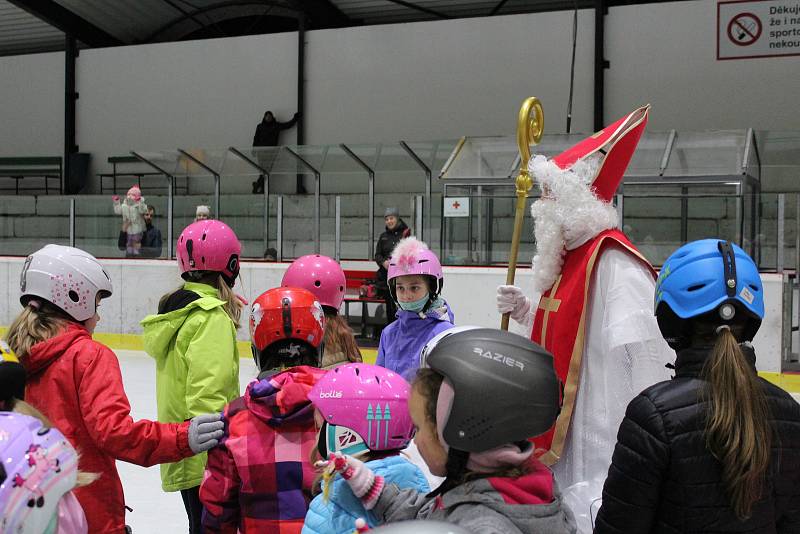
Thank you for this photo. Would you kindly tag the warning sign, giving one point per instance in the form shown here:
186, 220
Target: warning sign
758, 28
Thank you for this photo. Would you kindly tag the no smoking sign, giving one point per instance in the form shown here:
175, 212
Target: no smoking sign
744, 29
758, 28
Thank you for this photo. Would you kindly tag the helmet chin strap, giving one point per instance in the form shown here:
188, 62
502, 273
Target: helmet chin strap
456, 467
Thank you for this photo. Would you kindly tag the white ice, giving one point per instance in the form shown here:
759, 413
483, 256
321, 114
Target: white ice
153, 509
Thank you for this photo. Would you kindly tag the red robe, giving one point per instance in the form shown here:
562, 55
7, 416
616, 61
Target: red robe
559, 327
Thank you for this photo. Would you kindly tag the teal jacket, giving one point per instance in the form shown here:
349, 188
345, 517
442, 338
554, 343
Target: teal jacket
338, 514
197, 369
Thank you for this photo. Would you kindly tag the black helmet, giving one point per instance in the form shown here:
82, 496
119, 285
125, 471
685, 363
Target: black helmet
505, 388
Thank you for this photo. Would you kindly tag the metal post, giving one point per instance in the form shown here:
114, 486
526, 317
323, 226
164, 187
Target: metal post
337, 238
740, 219
667, 152
279, 224
479, 243
70, 97
316, 173
600, 63
421, 233
170, 214
265, 173
797, 237
786, 318
684, 215
620, 208
371, 195
213, 173
779, 239
418, 211
72, 222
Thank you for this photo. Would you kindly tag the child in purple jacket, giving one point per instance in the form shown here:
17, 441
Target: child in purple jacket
415, 283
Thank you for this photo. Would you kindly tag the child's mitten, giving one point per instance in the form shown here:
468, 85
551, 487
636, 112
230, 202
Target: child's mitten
365, 484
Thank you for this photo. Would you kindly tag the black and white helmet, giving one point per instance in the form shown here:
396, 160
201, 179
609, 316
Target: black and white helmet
505, 388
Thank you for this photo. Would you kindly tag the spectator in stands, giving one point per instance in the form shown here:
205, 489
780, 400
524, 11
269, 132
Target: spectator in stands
271, 254
202, 213
396, 230
151, 238
268, 132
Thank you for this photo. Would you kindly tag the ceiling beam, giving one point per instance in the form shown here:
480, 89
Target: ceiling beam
324, 14
415, 7
68, 22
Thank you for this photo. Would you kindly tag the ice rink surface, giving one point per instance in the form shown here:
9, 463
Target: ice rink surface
153, 509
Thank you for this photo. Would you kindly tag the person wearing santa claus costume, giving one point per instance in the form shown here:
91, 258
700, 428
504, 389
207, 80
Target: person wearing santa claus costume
591, 306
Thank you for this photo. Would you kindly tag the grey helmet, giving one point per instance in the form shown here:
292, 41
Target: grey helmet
505, 388
419, 527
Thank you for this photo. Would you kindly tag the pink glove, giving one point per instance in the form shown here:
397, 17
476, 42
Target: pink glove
365, 484
511, 299
115, 198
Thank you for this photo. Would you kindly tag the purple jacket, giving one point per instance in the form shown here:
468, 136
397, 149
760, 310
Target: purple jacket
403, 340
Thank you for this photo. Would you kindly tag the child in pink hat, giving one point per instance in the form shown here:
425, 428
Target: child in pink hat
132, 211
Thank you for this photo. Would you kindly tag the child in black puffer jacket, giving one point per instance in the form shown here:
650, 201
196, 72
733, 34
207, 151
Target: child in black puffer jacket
716, 449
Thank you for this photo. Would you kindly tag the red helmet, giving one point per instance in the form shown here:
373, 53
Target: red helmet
286, 324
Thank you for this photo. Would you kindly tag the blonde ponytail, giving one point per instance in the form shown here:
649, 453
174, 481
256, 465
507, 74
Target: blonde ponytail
233, 305
738, 431
38, 322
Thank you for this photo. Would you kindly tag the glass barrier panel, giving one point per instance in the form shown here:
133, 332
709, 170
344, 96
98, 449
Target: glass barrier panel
126, 231
653, 224
27, 223
706, 153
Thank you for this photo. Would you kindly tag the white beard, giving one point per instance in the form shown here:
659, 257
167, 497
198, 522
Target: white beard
569, 217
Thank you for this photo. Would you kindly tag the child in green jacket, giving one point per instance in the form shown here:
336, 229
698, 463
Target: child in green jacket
193, 340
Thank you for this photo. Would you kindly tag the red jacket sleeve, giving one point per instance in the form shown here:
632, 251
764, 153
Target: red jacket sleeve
107, 415
219, 493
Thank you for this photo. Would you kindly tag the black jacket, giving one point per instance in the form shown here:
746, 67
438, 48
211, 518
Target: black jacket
386, 243
663, 479
151, 242
267, 132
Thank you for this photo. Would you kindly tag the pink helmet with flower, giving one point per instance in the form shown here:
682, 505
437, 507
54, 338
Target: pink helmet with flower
365, 407
321, 275
209, 246
412, 256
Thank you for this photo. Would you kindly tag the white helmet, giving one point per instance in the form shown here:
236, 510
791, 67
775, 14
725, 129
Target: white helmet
435, 340
67, 277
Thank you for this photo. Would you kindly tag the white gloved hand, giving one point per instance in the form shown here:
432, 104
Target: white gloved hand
511, 299
205, 431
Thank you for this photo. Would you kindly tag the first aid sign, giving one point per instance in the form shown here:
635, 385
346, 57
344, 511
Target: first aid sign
758, 28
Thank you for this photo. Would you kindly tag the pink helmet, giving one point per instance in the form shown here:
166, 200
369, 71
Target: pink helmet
135, 193
319, 274
412, 256
209, 245
365, 407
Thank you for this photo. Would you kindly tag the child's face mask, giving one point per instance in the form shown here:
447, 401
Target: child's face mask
415, 305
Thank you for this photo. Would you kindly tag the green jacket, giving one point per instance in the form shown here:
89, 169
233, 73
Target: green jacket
197, 370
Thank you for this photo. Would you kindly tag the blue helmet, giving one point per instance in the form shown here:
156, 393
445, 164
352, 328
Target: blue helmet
712, 278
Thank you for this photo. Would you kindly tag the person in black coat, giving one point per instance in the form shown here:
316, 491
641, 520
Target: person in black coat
267, 133
716, 449
396, 230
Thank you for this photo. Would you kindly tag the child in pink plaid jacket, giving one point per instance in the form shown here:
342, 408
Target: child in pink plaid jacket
259, 478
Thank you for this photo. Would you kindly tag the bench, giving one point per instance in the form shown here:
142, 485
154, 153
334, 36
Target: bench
130, 173
354, 279
19, 168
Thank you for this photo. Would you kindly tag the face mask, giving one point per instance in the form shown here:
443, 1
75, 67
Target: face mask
414, 305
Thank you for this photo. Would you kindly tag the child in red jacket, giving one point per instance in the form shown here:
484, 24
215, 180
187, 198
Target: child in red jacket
259, 478
76, 382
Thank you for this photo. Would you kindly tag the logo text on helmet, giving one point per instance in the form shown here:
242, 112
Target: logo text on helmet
330, 394
497, 357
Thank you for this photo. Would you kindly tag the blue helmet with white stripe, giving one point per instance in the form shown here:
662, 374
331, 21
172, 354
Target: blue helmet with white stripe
712, 280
